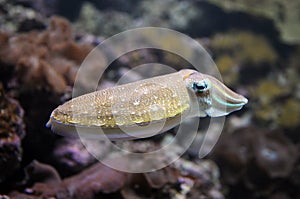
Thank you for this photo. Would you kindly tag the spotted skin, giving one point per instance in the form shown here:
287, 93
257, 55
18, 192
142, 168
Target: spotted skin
163, 99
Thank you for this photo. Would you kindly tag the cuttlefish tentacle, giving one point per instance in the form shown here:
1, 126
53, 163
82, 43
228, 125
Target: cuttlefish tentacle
140, 106
217, 99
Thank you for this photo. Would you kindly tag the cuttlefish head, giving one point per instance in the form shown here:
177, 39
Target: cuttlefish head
212, 96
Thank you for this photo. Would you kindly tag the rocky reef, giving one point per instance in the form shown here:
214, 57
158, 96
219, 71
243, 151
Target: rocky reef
43, 59
256, 49
282, 13
260, 162
100, 181
12, 131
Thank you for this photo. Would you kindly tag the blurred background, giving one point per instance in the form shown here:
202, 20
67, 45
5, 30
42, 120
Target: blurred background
255, 45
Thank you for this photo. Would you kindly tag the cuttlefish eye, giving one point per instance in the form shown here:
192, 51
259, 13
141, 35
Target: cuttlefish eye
200, 86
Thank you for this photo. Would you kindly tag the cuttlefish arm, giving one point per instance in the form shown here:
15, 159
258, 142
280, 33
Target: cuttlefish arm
144, 108
212, 96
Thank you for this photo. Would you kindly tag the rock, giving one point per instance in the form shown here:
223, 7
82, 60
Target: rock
11, 133
257, 161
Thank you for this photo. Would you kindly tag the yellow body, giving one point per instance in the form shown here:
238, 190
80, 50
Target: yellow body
135, 103
157, 103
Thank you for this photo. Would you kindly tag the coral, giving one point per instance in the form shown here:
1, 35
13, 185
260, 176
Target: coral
283, 13
38, 68
15, 17
172, 13
227, 67
275, 104
244, 47
268, 90
11, 134
70, 156
290, 114
272, 154
39, 172
266, 114
258, 162
242, 57
183, 179
87, 184
98, 178
44, 59
39, 60
93, 21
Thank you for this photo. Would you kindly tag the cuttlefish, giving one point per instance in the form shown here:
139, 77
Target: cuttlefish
142, 106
